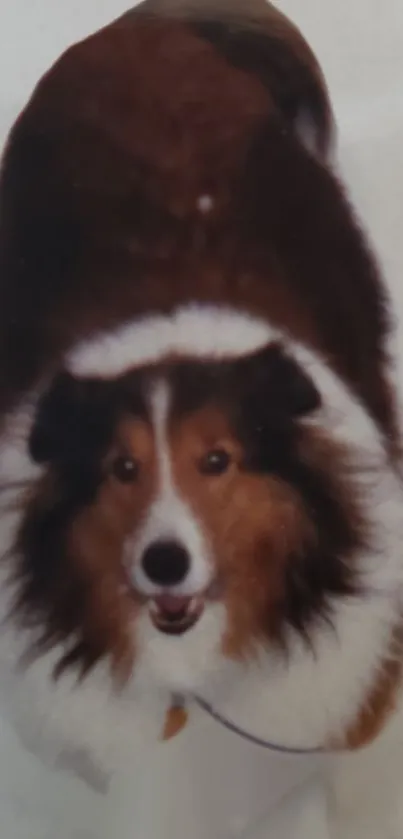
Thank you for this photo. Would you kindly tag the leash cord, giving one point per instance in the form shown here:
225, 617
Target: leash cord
251, 738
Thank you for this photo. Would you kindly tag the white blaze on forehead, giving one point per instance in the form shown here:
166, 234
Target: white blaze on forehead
169, 517
199, 331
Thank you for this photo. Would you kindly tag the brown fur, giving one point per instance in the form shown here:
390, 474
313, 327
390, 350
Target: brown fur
276, 560
253, 525
381, 702
96, 543
256, 525
87, 599
256, 35
99, 224
98, 216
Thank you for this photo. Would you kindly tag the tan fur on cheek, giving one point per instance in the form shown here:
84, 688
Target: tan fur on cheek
253, 524
97, 552
254, 538
96, 544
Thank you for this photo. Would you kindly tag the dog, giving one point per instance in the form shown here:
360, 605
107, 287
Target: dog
200, 447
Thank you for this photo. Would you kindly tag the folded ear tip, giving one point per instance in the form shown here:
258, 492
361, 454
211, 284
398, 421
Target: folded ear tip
280, 378
305, 397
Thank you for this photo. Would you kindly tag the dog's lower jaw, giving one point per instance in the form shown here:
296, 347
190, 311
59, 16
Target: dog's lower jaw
183, 664
364, 788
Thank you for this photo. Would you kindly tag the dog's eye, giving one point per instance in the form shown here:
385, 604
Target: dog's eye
215, 462
126, 469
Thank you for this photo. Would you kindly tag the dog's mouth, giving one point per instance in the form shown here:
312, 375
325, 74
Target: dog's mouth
175, 615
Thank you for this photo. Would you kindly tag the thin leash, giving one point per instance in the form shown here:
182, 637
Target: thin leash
251, 738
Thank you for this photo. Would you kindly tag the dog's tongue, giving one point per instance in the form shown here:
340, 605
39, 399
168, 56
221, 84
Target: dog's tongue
170, 604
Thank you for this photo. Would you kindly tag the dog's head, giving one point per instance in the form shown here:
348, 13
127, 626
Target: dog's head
187, 501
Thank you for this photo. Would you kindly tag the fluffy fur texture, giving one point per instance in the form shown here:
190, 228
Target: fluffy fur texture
273, 501
207, 332
199, 463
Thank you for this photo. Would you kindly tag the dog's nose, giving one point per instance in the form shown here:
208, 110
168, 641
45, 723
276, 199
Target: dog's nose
166, 563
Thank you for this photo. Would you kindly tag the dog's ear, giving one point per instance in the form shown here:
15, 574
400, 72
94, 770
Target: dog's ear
72, 420
56, 421
275, 385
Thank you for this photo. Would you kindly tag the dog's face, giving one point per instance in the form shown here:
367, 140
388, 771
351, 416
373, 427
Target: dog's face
184, 502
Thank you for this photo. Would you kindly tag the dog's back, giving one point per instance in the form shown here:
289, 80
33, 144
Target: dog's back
255, 36
108, 161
